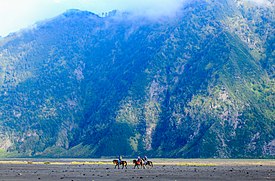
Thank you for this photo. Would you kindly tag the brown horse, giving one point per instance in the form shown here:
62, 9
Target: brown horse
138, 163
123, 163
148, 163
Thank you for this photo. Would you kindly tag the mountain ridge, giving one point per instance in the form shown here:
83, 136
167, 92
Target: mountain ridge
198, 85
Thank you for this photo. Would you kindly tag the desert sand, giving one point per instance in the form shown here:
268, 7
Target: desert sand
165, 169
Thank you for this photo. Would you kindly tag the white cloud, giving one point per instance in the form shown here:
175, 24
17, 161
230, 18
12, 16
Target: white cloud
147, 7
261, 2
17, 14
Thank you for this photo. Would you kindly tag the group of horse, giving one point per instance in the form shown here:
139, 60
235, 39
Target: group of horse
137, 164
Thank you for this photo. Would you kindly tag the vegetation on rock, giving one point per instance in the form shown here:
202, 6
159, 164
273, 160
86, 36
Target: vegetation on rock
200, 84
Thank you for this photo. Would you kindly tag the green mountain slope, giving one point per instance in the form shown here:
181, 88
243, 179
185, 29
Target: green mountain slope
200, 84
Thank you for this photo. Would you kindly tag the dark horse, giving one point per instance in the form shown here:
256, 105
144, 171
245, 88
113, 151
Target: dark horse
148, 163
123, 163
138, 163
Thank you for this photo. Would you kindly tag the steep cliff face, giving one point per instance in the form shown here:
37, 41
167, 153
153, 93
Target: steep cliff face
200, 84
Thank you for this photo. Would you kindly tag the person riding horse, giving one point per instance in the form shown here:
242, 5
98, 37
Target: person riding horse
120, 162
138, 162
147, 162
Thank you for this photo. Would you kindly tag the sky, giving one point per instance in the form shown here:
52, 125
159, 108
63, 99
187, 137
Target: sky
18, 14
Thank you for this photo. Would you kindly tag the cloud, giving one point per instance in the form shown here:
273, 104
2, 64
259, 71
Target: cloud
148, 7
261, 2
17, 14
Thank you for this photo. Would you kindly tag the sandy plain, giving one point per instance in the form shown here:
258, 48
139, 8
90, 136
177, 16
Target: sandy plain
164, 169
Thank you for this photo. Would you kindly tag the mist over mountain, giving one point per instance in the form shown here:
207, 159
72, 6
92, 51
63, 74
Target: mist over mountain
199, 83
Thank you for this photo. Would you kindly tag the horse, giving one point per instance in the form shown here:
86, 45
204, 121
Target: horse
148, 163
138, 163
123, 163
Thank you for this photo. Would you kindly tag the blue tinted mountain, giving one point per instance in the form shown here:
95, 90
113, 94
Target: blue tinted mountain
198, 84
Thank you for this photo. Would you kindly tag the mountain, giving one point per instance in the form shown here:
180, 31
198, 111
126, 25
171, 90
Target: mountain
198, 84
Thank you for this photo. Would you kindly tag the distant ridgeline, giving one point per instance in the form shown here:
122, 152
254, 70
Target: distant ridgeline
199, 84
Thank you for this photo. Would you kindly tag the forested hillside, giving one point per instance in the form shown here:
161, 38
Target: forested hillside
197, 84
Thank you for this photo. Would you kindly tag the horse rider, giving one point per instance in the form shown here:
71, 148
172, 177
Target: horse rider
145, 160
139, 159
119, 159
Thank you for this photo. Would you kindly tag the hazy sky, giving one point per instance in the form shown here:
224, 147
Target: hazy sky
17, 14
